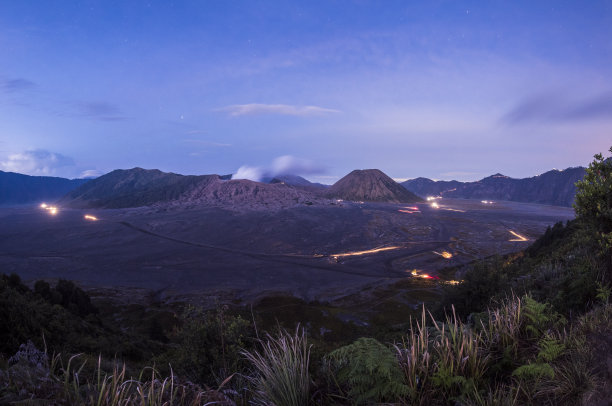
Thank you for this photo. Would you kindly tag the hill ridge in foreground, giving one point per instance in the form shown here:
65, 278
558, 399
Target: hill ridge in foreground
371, 185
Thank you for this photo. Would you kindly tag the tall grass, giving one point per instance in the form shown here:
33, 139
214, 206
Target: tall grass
67, 384
462, 362
502, 331
447, 359
281, 374
415, 360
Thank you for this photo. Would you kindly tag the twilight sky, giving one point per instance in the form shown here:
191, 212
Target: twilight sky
442, 89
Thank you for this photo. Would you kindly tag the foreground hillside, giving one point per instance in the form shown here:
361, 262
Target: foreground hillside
553, 187
16, 188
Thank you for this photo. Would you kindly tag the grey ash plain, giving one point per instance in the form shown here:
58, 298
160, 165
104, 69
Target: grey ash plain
239, 256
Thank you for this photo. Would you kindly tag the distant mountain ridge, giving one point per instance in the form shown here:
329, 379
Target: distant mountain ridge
16, 188
132, 188
298, 181
370, 185
553, 187
139, 187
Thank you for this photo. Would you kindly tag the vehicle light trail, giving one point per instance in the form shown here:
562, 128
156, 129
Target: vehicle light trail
486, 202
518, 236
435, 205
409, 211
90, 217
365, 252
444, 254
449, 209
416, 273
51, 209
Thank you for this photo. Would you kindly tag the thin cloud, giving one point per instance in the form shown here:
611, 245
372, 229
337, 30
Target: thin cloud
282, 165
36, 162
16, 85
91, 173
207, 143
290, 165
99, 110
598, 107
277, 109
553, 107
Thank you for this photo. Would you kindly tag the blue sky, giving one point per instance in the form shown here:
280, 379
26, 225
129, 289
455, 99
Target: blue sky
442, 89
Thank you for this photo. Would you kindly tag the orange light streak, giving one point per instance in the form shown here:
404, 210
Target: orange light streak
365, 252
90, 217
519, 237
418, 274
444, 254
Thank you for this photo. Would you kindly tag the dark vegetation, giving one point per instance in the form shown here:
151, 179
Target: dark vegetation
534, 327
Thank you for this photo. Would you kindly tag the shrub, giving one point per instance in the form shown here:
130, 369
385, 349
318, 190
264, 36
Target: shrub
594, 203
209, 344
369, 371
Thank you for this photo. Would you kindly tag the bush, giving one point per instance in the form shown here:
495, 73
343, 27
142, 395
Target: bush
369, 371
210, 344
594, 204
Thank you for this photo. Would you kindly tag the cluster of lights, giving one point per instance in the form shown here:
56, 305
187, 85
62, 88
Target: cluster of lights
51, 209
435, 205
486, 202
430, 198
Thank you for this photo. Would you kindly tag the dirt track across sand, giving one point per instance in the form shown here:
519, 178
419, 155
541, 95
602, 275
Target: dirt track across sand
306, 251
